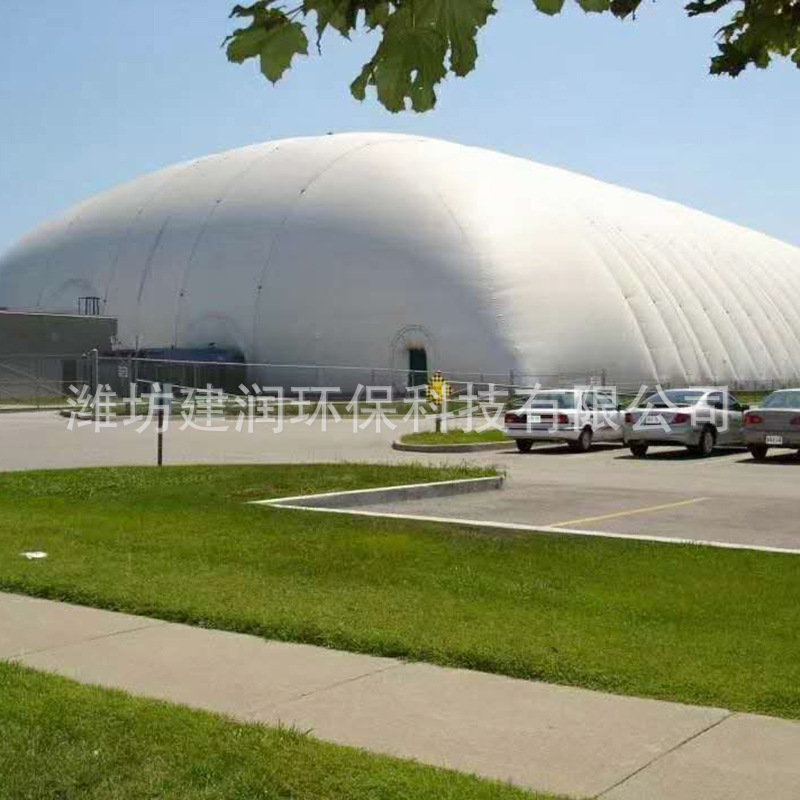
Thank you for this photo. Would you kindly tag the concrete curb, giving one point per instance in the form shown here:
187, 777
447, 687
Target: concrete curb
478, 447
68, 412
29, 409
388, 494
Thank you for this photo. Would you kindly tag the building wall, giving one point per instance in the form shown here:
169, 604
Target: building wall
41, 354
24, 333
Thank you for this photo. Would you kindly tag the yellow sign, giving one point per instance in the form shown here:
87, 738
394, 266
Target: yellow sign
438, 389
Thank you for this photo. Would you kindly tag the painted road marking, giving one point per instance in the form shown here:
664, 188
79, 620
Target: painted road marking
520, 526
631, 512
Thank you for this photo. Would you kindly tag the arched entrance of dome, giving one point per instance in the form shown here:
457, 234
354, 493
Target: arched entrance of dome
412, 354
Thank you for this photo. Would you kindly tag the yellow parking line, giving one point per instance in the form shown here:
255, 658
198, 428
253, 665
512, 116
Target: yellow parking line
629, 513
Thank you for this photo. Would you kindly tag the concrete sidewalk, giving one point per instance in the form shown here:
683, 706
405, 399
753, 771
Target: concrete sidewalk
550, 738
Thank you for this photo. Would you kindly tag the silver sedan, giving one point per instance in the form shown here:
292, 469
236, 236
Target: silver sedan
699, 418
774, 423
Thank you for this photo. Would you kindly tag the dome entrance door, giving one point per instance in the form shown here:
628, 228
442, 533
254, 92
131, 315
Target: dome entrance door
417, 366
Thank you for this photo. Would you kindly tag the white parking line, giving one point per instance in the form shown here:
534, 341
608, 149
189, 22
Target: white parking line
515, 526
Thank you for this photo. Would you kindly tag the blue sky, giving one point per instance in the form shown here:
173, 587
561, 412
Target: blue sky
94, 93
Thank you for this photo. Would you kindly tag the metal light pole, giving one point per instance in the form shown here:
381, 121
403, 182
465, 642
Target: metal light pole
164, 397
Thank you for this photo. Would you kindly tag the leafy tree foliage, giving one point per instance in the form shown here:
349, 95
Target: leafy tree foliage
422, 41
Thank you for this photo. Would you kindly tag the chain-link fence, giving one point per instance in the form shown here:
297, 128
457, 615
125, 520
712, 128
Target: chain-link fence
40, 381
340, 380
44, 381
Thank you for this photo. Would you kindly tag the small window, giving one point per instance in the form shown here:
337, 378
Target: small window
606, 401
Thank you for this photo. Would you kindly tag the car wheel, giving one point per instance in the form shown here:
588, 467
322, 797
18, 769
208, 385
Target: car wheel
524, 445
705, 447
758, 451
639, 450
583, 443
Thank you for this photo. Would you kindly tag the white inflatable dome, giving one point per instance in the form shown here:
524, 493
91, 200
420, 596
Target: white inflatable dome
358, 249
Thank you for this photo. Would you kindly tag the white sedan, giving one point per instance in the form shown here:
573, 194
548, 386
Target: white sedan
575, 416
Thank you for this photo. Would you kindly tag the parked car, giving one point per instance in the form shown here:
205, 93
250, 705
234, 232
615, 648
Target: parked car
699, 418
577, 417
773, 423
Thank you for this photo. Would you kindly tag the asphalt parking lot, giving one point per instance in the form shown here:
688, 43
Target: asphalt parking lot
726, 498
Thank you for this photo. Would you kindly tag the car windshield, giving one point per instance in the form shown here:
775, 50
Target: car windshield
674, 397
783, 400
550, 400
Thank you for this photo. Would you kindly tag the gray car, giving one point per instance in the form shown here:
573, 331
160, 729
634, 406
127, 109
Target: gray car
774, 423
699, 418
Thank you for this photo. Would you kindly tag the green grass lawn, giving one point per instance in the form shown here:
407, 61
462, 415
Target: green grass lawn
64, 741
751, 398
456, 436
688, 623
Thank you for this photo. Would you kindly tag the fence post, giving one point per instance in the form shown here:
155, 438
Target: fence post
37, 374
160, 429
95, 369
165, 397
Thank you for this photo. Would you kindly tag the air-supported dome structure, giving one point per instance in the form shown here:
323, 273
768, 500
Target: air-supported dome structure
374, 250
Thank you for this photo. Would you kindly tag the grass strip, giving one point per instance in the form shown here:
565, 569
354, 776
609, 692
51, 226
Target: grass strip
66, 741
456, 436
687, 623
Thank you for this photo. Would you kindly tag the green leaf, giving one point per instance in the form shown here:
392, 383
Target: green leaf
422, 41
549, 6
281, 45
624, 8
341, 15
408, 64
244, 44
595, 6
459, 22
378, 14
412, 58
271, 37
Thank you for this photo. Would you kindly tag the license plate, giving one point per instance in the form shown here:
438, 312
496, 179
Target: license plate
654, 421
535, 418
776, 441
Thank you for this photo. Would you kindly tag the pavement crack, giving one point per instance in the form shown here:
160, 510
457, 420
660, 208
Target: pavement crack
326, 688
696, 735
25, 653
